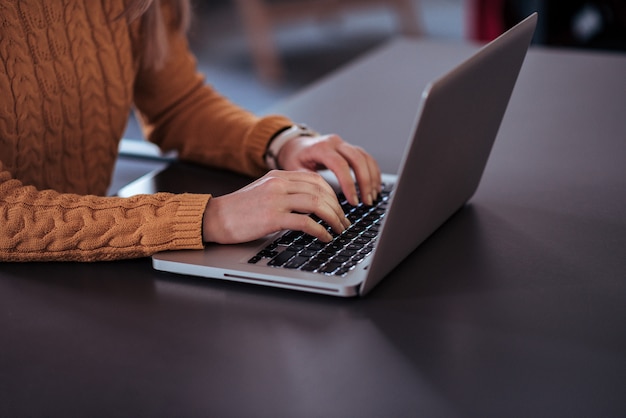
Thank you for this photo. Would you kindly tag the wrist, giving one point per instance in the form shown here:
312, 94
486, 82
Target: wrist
277, 143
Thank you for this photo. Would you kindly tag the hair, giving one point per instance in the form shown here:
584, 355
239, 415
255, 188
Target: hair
153, 27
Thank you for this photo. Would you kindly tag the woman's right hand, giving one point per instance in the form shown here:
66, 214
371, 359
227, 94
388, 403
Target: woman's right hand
277, 201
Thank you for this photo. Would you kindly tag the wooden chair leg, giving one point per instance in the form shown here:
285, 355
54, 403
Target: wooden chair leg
409, 17
257, 24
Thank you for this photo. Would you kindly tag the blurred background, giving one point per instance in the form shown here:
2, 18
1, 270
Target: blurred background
257, 52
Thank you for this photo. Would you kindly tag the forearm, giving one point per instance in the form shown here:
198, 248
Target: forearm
181, 112
207, 128
46, 225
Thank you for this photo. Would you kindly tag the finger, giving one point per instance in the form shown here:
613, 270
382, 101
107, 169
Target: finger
374, 178
375, 174
304, 223
337, 163
365, 170
331, 214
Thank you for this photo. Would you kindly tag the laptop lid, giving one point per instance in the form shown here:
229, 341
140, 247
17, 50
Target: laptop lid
456, 126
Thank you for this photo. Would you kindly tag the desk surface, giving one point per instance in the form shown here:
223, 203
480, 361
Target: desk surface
515, 307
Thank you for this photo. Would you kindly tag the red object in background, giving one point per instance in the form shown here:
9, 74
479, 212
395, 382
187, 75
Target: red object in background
485, 19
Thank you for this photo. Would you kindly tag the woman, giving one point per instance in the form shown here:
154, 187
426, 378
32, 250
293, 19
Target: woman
71, 71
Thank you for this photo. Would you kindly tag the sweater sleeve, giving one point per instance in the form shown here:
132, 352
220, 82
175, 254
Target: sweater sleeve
180, 112
47, 225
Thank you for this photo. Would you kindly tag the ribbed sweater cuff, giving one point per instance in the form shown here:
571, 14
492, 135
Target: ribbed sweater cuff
263, 132
188, 221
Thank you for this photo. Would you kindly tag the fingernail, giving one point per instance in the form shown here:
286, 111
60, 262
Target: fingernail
369, 201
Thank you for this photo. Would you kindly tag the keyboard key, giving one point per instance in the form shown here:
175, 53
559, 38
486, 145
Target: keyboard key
297, 247
316, 246
296, 262
343, 240
290, 237
358, 257
334, 247
350, 234
267, 253
324, 256
330, 267
356, 228
340, 259
341, 271
281, 258
350, 264
308, 253
348, 253
306, 239
312, 265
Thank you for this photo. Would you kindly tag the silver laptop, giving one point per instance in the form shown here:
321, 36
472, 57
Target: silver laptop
456, 125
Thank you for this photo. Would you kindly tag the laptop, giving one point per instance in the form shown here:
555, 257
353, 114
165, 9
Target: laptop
456, 125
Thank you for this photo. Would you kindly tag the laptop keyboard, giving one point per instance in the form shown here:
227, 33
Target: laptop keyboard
298, 250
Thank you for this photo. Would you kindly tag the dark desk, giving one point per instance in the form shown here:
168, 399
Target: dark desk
516, 307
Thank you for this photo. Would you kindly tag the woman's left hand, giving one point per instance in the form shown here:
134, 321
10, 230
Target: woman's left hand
330, 152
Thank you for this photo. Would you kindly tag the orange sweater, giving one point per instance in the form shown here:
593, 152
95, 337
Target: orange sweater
69, 76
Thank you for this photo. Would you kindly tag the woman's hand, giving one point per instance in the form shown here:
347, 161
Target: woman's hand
277, 201
333, 153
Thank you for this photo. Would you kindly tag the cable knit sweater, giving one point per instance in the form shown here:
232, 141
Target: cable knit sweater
69, 76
